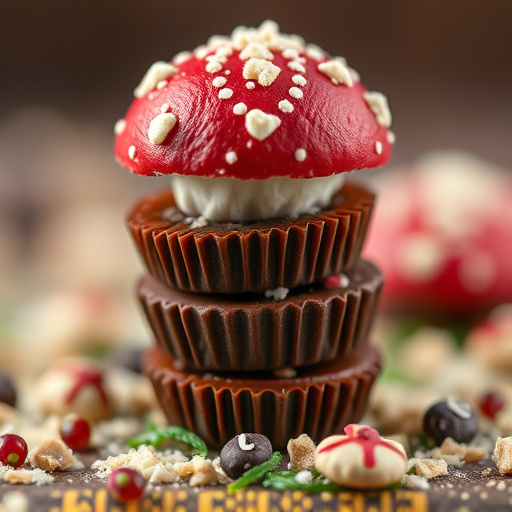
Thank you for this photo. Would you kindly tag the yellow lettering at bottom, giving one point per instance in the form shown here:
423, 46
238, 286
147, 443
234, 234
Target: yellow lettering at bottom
411, 501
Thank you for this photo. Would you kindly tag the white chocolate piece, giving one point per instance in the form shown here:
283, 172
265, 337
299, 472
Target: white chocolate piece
160, 127
260, 125
337, 70
230, 199
345, 462
502, 455
378, 104
156, 73
261, 70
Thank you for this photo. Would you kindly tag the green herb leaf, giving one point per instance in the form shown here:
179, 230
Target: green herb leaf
156, 436
255, 473
285, 481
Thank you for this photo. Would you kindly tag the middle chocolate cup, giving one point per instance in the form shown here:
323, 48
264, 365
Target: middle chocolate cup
250, 332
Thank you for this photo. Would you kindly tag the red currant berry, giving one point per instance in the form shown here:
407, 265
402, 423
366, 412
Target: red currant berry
491, 403
75, 431
126, 484
13, 450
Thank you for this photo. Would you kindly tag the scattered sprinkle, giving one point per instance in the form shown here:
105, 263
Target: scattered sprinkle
285, 106
304, 477
164, 108
261, 70
290, 53
219, 81
120, 126
296, 66
299, 80
296, 93
161, 84
160, 127
315, 52
213, 66
182, 57
240, 109
231, 157
156, 73
337, 70
250, 85
391, 137
256, 50
260, 125
225, 94
278, 293
378, 104
300, 154
378, 147
132, 152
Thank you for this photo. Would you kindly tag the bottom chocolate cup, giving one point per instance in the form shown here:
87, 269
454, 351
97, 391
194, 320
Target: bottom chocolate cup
319, 400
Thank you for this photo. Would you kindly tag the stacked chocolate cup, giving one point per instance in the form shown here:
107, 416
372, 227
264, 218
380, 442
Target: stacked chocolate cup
258, 299
259, 327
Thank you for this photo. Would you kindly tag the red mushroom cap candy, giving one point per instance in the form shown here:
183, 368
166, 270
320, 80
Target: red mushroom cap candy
441, 235
361, 458
253, 106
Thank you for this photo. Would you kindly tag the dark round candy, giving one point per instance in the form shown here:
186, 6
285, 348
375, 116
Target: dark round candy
451, 418
7, 390
243, 452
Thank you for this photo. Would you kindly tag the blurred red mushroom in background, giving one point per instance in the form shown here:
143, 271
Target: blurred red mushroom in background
442, 234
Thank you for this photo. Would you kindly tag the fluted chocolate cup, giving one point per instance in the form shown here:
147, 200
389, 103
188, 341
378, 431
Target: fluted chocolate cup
318, 400
312, 324
250, 257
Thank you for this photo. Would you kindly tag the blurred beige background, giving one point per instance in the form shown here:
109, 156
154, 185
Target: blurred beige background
68, 70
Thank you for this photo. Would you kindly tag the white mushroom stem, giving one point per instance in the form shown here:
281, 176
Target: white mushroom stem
234, 200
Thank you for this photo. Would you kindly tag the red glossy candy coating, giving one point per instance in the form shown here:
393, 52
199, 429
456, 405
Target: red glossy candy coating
333, 123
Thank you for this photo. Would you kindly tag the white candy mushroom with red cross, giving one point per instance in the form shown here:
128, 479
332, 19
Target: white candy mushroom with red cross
75, 385
253, 126
361, 459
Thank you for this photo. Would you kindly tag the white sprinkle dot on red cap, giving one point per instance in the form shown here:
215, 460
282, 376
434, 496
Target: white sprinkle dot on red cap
299, 80
240, 109
300, 154
219, 81
285, 106
231, 157
225, 94
120, 126
296, 93
164, 108
296, 66
132, 152
378, 147
161, 84
250, 85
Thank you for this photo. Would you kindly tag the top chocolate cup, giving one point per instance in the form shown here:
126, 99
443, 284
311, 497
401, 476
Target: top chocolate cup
255, 256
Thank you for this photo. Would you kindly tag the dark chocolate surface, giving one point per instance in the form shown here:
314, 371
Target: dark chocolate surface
319, 400
251, 332
252, 257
